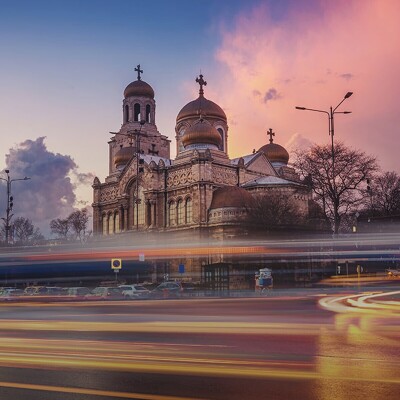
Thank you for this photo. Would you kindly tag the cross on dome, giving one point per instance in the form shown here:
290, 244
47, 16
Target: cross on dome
202, 83
270, 134
139, 71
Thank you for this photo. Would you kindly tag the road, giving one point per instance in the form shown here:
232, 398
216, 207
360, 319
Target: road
303, 344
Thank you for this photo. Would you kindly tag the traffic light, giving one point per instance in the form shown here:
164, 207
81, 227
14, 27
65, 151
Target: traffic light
11, 203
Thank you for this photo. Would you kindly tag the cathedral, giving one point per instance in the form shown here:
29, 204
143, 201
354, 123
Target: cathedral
202, 192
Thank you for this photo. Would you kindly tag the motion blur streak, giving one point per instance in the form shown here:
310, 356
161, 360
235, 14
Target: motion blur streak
362, 303
106, 393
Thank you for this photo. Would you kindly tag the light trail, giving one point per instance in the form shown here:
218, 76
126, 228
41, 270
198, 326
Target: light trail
92, 392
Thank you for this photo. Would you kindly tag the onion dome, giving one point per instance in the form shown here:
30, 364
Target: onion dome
201, 106
123, 156
231, 196
275, 152
139, 88
202, 133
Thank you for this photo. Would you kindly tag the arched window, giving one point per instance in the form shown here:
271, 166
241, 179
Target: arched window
181, 133
105, 225
139, 208
181, 212
221, 132
148, 117
126, 113
188, 211
110, 224
117, 222
136, 112
172, 214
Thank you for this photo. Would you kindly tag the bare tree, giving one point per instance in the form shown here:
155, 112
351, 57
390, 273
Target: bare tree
60, 227
384, 194
274, 211
338, 188
79, 220
24, 232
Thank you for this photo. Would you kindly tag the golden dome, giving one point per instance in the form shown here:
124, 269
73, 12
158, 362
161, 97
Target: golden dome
123, 155
201, 105
231, 196
201, 132
139, 88
275, 153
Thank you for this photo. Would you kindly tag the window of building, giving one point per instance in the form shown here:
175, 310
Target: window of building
105, 225
126, 113
116, 222
188, 210
136, 112
148, 115
139, 208
180, 210
172, 214
221, 132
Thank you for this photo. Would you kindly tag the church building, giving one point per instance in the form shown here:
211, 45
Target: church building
202, 192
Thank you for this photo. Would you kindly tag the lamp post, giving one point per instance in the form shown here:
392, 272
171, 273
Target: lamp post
10, 202
137, 133
332, 111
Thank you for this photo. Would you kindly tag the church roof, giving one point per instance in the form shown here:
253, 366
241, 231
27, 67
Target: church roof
148, 158
230, 196
246, 159
139, 88
201, 106
270, 180
275, 153
201, 132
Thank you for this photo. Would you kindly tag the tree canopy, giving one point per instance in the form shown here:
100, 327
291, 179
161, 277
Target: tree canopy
338, 183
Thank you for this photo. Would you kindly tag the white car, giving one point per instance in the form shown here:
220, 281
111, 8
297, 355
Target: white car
134, 291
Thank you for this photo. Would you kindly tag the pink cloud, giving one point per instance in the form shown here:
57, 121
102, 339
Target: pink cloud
312, 58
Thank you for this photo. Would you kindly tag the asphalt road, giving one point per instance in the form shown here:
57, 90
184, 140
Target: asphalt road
303, 344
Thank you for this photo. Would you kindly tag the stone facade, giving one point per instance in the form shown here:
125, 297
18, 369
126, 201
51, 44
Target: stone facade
146, 190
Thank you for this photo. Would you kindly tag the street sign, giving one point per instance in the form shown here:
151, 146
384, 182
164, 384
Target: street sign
116, 263
181, 268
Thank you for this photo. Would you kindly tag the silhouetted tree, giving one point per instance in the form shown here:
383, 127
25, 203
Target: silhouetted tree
338, 187
78, 221
24, 232
60, 227
383, 194
274, 211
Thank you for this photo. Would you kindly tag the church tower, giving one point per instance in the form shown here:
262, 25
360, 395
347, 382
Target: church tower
204, 110
138, 131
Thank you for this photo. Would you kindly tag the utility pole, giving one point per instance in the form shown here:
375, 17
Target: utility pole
10, 203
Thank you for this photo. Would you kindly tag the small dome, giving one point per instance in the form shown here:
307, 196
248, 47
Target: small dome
275, 153
231, 196
201, 132
139, 88
123, 155
201, 105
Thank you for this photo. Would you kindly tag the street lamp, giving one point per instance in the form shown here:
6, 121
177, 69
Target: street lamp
10, 202
332, 111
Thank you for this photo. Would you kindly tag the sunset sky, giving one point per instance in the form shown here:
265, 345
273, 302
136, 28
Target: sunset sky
65, 64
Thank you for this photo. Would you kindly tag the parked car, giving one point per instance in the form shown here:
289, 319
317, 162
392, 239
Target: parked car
105, 293
11, 294
167, 290
134, 291
43, 291
78, 292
